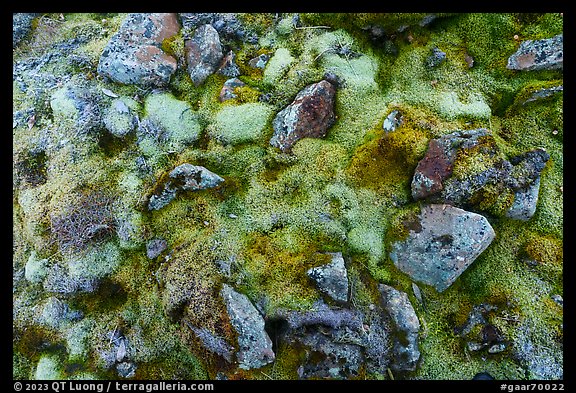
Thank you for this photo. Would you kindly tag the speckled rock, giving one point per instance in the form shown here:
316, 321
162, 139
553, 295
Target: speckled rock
446, 241
332, 278
392, 121
185, 177
228, 66
532, 55
255, 347
203, 53
227, 92
436, 58
134, 54
21, 26
309, 115
259, 61
406, 326
155, 247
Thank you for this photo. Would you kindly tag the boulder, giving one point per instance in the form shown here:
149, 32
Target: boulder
444, 242
255, 347
203, 53
533, 55
134, 55
332, 278
309, 115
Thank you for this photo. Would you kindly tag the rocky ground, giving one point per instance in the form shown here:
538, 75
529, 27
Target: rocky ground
287, 196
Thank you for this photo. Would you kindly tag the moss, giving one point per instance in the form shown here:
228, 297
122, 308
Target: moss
277, 65
78, 339
545, 249
49, 368
242, 123
36, 268
21, 366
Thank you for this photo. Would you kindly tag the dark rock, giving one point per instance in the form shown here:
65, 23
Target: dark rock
309, 115
483, 376
427, 20
229, 27
478, 315
449, 239
213, 343
185, 177
259, 61
497, 348
134, 54
228, 66
255, 347
155, 247
323, 315
227, 92
406, 326
21, 26
203, 53
335, 80
392, 121
546, 54
126, 369
436, 58
332, 278
544, 93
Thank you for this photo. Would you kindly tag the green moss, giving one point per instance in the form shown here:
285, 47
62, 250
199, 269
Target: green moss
78, 340
21, 366
278, 65
36, 268
98, 262
49, 368
242, 123
545, 249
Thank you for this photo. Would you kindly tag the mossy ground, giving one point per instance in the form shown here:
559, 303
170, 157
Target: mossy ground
276, 214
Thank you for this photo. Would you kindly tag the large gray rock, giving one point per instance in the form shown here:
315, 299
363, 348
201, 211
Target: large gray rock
332, 278
406, 325
255, 347
134, 55
309, 115
203, 53
444, 242
185, 177
532, 55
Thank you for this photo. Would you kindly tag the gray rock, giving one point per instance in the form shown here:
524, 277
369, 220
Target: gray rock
446, 242
406, 325
542, 356
255, 347
497, 348
21, 26
185, 177
309, 115
392, 121
532, 55
474, 346
525, 201
436, 58
155, 247
332, 278
228, 66
134, 54
259, 61
126, 369
213, 343
544, 93
427, 20
227, 92
203, 53
477, 316
119, 119
229, 27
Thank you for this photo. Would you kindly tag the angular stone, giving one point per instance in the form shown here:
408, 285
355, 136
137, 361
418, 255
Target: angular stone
203, 53
309, 115
155, 247
406, 325
532, 55
392, 121
332, 278
255, 347
134, 54
228, 66
525, 202
259, 61
227, 92
449, 239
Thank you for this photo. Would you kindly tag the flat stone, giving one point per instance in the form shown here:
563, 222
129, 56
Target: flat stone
449, 239
203, 53
134, 54
255, 347
332, 278
309, 115
533, 55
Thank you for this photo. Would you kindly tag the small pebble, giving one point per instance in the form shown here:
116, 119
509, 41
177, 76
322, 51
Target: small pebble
555, 132
516, 37
232, 215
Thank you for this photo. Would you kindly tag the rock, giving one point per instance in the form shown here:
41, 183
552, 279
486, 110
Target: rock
532, 55
119, 119
155, 247
497, 348
558, 300
227, 91
474, 346
255, 347
36, 269
406, 325
476, 316
55, 313
525, 201
309, 115
126, 369
392, 121
185, 177
203, 53
21, 26
213, 343
417, 293
229, 27
78, 105
332, 278
446, 241
483, 376
259, 61
134, 54
436, 58
544, 93
427, 20
228, 66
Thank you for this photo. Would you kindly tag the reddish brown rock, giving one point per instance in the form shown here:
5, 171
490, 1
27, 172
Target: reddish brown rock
309, 115
203, 53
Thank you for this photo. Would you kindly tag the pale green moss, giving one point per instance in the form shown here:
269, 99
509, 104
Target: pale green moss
278, 65
49, 368
97, 263
36, 268
242, 123
78, 340
285, 26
